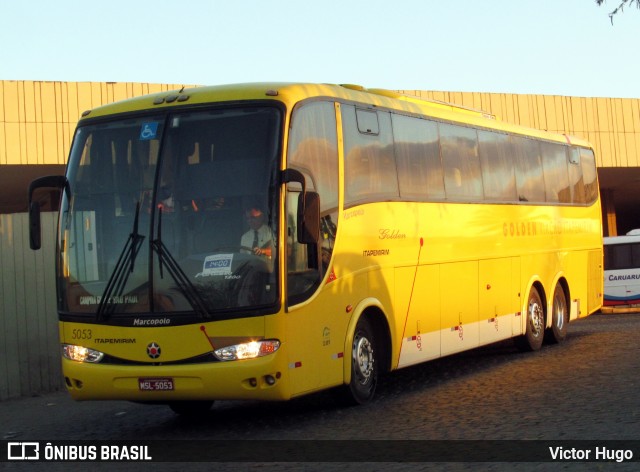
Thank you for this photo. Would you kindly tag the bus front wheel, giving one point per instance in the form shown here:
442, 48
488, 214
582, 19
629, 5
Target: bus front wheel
364, 364
532, 339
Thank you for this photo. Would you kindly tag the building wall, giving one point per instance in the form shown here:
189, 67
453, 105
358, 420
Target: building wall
37, 119
29, 347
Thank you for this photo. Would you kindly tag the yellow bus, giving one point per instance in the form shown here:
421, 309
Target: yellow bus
266, 241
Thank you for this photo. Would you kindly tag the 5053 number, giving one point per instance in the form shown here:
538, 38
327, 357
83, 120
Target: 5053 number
81, 334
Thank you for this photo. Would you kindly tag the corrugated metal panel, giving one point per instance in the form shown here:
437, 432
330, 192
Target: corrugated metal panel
37, 119
525, 113
577, 114
29, 349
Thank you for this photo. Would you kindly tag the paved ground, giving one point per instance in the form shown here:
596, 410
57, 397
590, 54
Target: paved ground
586, 388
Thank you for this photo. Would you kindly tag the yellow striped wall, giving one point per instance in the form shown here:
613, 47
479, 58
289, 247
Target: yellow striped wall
37, 118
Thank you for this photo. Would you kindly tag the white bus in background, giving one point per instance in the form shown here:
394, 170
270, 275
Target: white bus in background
622, 270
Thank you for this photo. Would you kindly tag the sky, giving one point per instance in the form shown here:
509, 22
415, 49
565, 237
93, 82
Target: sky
553, 47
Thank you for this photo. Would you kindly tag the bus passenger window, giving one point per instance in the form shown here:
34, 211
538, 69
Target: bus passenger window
462, 174
418, 158
589, 175
528, 167
498, 173
370, 167
576, 181
556, 176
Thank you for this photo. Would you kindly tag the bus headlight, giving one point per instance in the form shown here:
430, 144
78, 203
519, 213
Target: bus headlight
249, 350
81, 354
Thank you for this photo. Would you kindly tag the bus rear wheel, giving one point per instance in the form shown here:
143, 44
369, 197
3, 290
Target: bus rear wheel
532, 339
559, 316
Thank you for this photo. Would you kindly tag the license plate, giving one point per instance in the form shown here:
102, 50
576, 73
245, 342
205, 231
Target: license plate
155, 384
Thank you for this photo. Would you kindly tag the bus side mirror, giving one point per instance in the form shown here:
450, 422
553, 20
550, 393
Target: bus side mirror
51, 181
35, 233
308, 218
308, 208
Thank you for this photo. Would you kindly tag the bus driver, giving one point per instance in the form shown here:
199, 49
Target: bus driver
259, 239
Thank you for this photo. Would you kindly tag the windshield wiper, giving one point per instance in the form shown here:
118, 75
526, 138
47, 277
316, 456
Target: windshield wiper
121, 272
177, 274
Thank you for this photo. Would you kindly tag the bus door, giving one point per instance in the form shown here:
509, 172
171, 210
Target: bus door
315, 326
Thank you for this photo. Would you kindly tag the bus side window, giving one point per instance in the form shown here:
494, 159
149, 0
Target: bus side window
370, 168
417, 150
529, 176
576, 180
462, 173
313, 150
621, 257
498, 173
556, 174
635, 255
303, 274
589, 175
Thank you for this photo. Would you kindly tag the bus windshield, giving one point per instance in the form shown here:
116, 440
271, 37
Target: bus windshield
172, 213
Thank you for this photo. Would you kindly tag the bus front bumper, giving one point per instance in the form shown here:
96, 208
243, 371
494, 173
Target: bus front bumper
264, 378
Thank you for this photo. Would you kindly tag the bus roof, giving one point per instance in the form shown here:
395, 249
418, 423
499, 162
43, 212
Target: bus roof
291, 93
622, 239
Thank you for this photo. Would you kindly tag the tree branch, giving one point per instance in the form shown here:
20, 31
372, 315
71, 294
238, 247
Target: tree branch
619, 8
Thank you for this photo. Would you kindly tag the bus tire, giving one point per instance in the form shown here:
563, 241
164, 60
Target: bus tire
364, 364
559, 316
191, 408
532, 339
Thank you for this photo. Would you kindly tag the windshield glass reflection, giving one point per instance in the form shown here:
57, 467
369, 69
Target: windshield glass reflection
172, 214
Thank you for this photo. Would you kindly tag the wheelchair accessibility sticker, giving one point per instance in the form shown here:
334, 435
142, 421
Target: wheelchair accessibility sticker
148, 131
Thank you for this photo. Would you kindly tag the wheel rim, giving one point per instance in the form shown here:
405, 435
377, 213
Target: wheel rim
560, 310
363, 360
536, 317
